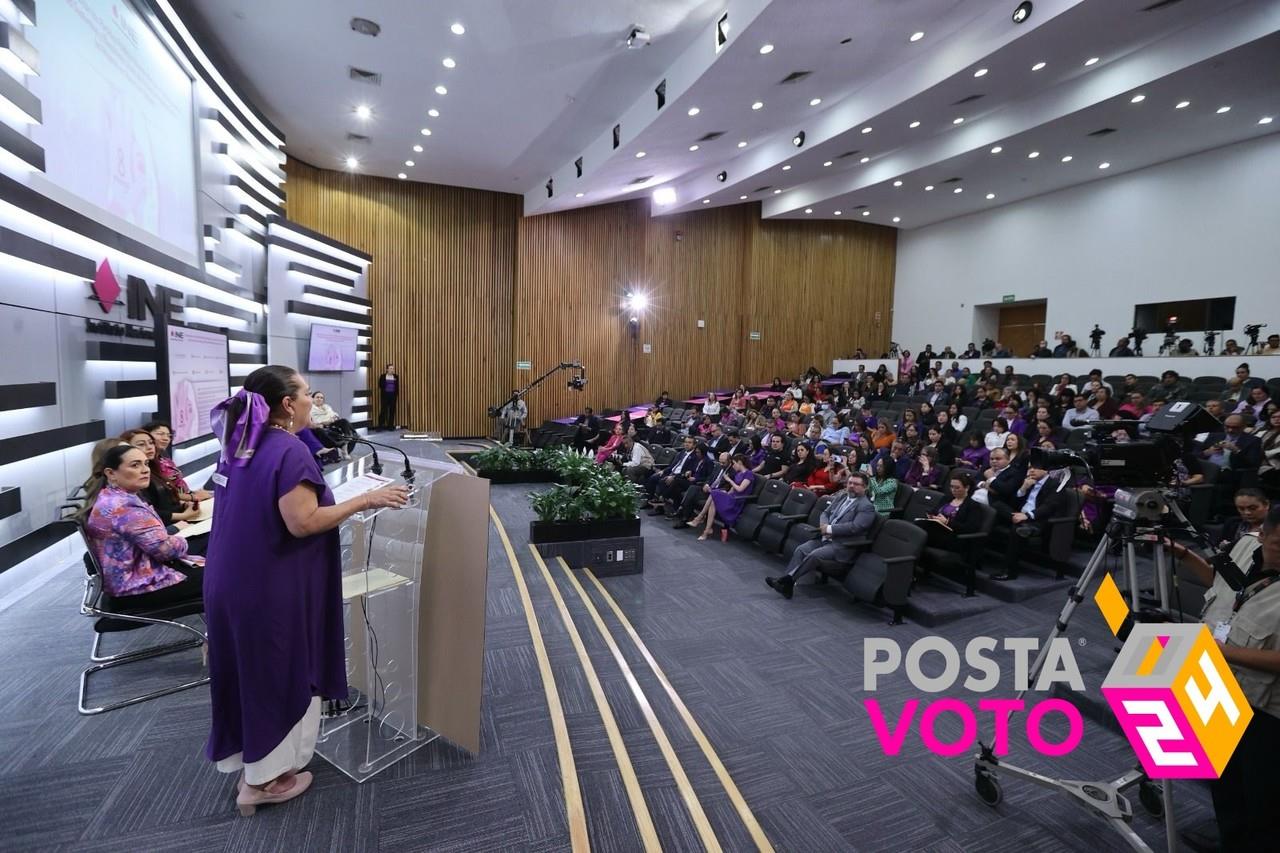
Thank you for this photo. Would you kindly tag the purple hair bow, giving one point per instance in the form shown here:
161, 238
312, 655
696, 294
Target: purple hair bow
240, 436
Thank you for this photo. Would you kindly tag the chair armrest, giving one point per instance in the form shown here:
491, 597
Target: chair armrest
793, 516
972, 537
893, 561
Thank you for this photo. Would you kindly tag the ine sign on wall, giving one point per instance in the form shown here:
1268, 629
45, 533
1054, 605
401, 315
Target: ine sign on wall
117, 128
198, 379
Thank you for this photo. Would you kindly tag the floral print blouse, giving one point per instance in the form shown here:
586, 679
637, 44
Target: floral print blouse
132, 545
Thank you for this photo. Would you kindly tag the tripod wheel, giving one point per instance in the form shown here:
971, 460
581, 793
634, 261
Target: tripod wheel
988, 788
1151, 796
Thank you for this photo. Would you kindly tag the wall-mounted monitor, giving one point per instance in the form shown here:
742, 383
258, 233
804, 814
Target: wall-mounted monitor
332, 349
195, 367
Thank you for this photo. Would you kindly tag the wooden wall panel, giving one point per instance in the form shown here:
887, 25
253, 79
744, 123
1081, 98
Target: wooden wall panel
463, 287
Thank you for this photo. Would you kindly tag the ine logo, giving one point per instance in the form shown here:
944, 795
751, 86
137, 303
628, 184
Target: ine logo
1174, 695
162, 302
106, 287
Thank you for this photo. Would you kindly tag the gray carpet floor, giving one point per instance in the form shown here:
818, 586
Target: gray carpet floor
775, 685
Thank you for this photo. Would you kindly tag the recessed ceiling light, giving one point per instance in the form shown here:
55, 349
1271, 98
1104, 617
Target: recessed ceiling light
786, 168
897, 219
958, 120
426, 131
433, 112
1093, 60
402, 176
742, 198
766, 48
813, 102
1037, 66
996, 149
775, 192
897, 183
458, 29
352, 162
706, 201
1033, 155
441, 90
981, 72
916, 36
742, 144
1104, 165
914, 125
866, 130
693, 111
1066, 159
866, 213
808, 210
664, 195
990, 196
448, 62
1181, 105
578, 195
639, 154
1265, 120
757, 105
1137, 99
408, 162
928, 188
958, 190
363, 111
1222, 110
826, 163
693, 147
417, 149
865, 160
836, 212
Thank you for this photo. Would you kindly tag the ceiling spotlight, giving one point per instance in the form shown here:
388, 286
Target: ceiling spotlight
1093, 60
1265, 120
996, 149
813, 102
865, 160
693, 147
706, 201
1037, 66
981, 72
441, 90
757, 105
775, 192
897, 183
722, 176
457, 29
958, 190
638, 37
916, 37
766, 48
866, 213
1137, 99
417, 149
798, 139
448, 62
1222, 110
1066, 159
1033, 155
742, 198
433, 112
578, 195
742, 144
826, 163
1104, 165
958, 120
352, 163
866, 129
914, 125
402, 176
808, 210
1181, 105
363, 111
426, 131
897, 219
786, 168
1022, 12
836, 212
408, 163
693, 111
990, 196
639, 154
928, 188
664, 196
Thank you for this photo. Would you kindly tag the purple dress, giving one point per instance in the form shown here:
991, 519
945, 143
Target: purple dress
273, 604
729, 506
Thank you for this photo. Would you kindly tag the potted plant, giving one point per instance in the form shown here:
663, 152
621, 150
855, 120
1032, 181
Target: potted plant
505, 464
591, 502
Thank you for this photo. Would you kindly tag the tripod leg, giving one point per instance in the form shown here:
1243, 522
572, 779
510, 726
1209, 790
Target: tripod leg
1131, 574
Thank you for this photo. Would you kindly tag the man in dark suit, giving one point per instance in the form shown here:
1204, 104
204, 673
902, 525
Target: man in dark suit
717, 441
588, 428
939, 397
667, 486
1037, 500
740, 443
1238, 456
1002, 490
696, 494
847, 519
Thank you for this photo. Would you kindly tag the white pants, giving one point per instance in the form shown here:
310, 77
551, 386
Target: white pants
293, 753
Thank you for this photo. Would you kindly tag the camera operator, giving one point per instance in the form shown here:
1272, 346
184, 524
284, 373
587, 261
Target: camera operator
1246, 625
1121, 349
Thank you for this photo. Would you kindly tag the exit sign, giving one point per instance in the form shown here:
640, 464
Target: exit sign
524, 365
1008, 297
755, 336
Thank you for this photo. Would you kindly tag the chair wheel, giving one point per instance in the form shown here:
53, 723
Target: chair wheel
1151, 796
988, 788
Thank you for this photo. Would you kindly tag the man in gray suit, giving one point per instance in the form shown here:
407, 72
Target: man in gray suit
847, 519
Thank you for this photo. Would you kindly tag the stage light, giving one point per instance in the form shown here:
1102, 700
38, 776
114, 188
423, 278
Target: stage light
664, 196
722, 177
798, 139
457, 29
1022, 12
364, 112
353, 163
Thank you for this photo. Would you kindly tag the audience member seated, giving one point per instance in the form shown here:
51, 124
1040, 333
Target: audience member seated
163, 498
1170, 388
1257, 400
667, 487
924, 472
803, 463
1137, 407
976, 456
1080, 415
727, 504
711, 407
719, 476
610, 445
996, 437
1237, 454
634, 459
128, 538
1238, 385
588, 428
663, 400
1269, 443
846, 520
942, 447
162, 435
1038, 499
957, 516
829, 475
1121, 349
882, 487
775, 463
999, 482
1272, 346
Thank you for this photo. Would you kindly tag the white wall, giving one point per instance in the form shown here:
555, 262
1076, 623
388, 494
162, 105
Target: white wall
1199, 227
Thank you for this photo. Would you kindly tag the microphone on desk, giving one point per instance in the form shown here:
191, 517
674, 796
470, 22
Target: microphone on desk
340, 436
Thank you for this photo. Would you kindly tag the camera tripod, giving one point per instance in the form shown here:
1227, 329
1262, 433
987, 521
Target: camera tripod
1104, 798
1254, 348
1210, 342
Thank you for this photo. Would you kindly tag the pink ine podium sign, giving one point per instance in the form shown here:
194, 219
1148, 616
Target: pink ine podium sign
1177, 701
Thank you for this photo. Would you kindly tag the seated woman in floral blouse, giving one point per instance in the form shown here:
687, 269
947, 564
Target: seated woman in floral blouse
162, 435
134, 551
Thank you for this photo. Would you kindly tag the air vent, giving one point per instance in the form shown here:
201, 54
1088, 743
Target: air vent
361, 75
950, 181
794, 77
356, 137
365, 27
848, 153
762, 189
859, 207
661, 92
968, 100
643, 180
707, 137
1106, 131
1159, 5
577, 165
617, 135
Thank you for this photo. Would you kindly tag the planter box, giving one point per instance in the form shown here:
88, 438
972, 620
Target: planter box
604, 557
577, 531
502, 478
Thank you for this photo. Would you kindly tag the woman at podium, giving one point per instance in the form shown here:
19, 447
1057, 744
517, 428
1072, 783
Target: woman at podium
273, 589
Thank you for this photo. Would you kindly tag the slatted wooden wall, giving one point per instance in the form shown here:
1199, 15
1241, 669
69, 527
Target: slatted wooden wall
463, 287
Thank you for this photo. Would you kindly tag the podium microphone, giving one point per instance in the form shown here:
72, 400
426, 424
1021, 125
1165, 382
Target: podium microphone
342, 437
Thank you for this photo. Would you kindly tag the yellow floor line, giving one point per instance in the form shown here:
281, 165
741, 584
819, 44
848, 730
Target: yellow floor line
648, 834
576, 815
735, 796
699, 817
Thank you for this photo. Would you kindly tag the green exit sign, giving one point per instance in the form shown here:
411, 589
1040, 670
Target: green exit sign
524, 365
755, 336
1008, 297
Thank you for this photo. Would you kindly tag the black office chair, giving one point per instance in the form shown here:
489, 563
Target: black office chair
768, 499
839, 569
803, 531
923, 503
882, 575
778, 522
113, 615
900, 499
964, 560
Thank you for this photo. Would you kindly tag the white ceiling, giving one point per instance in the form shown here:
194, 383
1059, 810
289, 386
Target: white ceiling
539, 84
